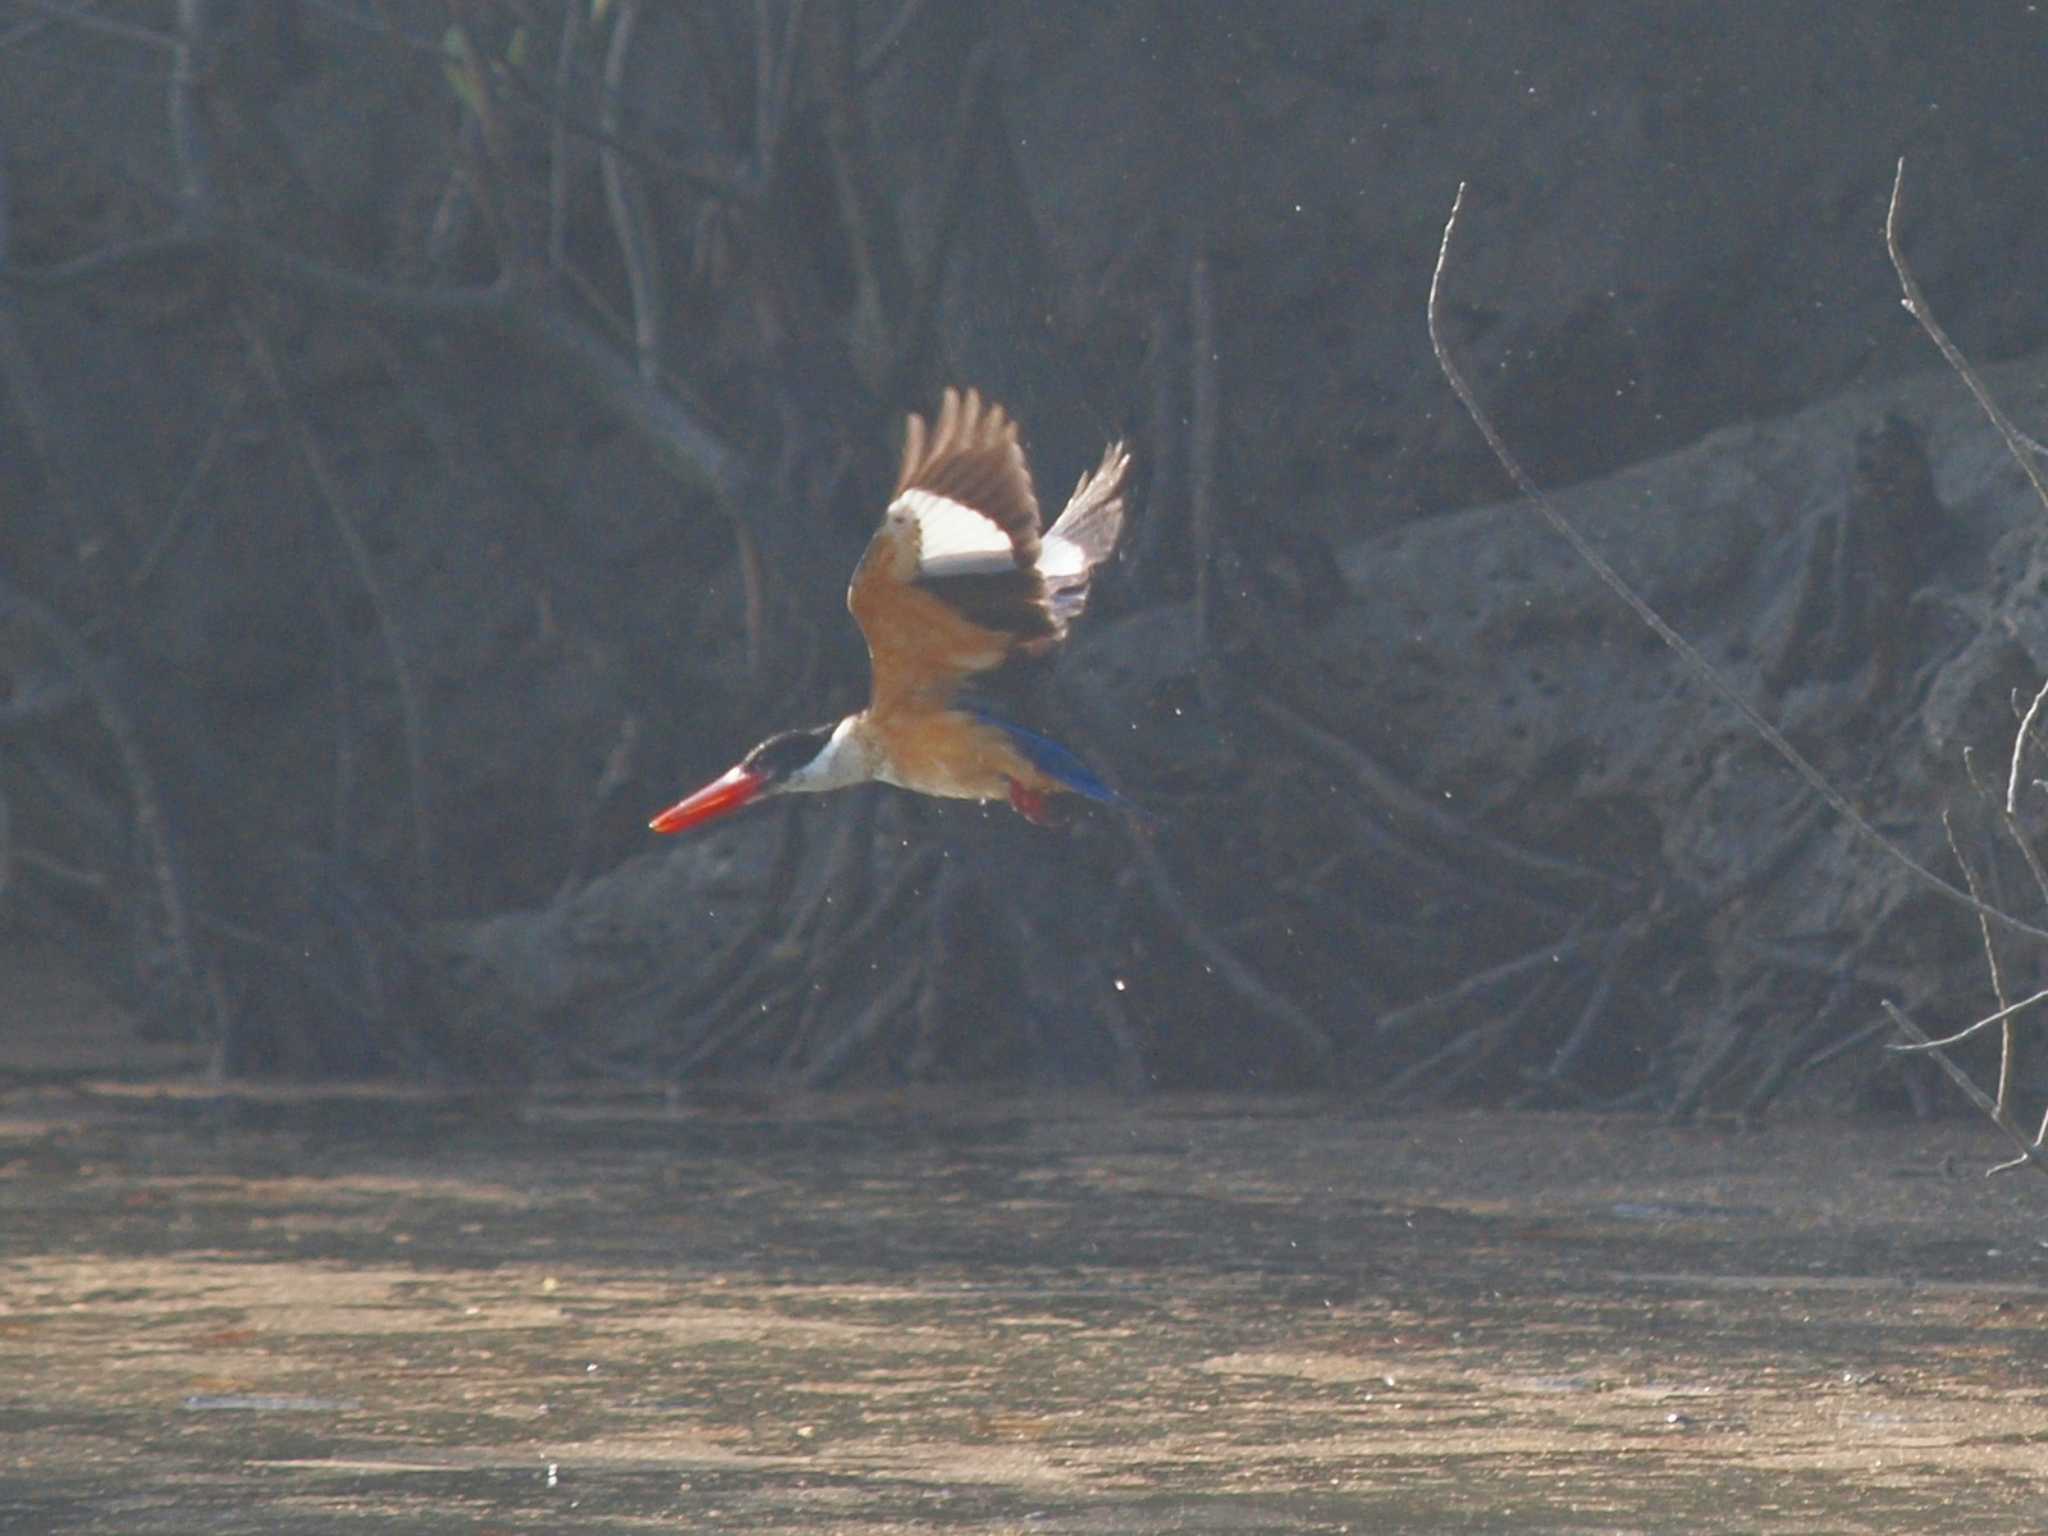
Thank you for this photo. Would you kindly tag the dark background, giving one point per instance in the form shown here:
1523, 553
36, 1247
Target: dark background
432, 435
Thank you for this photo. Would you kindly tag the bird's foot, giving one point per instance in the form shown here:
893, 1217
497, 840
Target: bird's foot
1034, 805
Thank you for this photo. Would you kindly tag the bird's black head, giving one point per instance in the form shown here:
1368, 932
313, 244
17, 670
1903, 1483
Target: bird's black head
795, 760
785, 754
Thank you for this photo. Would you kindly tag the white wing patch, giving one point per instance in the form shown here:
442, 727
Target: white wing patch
952, 538
1061, 559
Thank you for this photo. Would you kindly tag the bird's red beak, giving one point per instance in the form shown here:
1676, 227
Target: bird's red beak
727, 793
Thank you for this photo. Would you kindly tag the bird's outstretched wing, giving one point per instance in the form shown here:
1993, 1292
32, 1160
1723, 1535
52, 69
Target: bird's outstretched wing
959, 576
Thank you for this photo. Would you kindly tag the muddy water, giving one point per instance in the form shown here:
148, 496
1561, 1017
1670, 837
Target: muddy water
375, 1314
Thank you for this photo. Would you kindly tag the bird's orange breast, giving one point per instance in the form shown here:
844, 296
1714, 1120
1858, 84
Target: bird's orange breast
946, 753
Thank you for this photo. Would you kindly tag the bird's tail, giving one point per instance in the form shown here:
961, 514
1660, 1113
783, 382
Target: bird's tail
1054, 761
1084, 535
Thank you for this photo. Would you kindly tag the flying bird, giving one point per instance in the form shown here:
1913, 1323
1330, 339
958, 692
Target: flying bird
957, 581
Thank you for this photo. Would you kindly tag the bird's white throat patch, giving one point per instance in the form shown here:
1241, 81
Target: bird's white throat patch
848, 757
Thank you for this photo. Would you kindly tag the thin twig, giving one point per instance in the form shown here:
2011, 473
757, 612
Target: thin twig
2019, 746
876, 54
1468, 1049
176, 521
1202, 434
858, 1038
1916, 306
32, 409
567, 56
2030, 1152
1734, 1028
1697, 664
966, 142
774, 80
1575, 1043
625, 195
1948, 829
151, 823
684, 442
685, 984
747, 1003
1398, 798
190, 79
1844, 972
2002, 1015
1238, 976
91, 21
1543, 955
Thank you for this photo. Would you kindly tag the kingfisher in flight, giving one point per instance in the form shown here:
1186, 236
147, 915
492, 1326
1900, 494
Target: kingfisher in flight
959, 579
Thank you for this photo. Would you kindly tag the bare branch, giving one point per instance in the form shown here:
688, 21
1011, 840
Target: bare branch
2019, 744
1695, 663
1915, 304
1238, 976
175, 521
876, 54
151, 822
1397, 797
626, 196
189, 130
774, 75
1202, 435
2030, 1152
2004, 1013
558, 134
1541, 958
1990, 960
91, 21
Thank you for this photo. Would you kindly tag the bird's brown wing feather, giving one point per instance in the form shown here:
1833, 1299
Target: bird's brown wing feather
949, 585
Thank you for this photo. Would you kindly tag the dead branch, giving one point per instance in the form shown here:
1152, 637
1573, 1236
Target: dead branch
1544, 955
625, 194
1466, 1051
31, 408
889, 1007
2019, 745
568, 54
2030, 1151
1613, 954
2004, 1015
191, 69
685, 444
1794, 1054
1264, 1002
1202, 434
1990, 960
774, 75
1695, 663
685, 984
106, 26
1389, 791
151, 822
877, 53
1734, 1028
1916, 305
747, 1003
188, 503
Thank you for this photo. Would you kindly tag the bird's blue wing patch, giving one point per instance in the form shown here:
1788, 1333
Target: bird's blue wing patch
1053, 760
